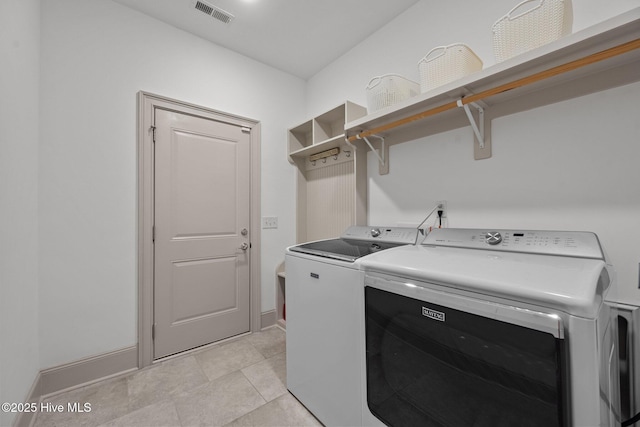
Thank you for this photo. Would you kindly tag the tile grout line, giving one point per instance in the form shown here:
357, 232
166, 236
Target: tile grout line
268, 342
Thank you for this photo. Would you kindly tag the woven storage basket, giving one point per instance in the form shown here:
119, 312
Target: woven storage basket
514, 34
447, 63
389, 89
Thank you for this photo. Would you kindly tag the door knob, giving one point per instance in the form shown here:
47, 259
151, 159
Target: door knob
244, 232
244, 246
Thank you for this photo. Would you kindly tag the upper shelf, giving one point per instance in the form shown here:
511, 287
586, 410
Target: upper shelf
407, 120
323, 132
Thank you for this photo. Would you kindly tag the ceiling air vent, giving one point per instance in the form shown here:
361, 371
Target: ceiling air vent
213, 11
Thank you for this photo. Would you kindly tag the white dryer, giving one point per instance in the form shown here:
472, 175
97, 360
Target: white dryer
490, 328
325, 313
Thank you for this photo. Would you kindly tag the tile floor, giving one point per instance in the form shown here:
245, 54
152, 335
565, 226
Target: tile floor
237, 383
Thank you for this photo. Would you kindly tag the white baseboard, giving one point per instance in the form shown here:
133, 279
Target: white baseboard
267, 319
78, 373
93, 369
88, 370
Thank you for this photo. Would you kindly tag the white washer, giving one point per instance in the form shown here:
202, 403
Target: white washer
490, 328
324, 318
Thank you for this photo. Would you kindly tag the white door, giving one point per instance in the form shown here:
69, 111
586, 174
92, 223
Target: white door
202, 246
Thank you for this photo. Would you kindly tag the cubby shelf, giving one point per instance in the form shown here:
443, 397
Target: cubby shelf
331, 192
281, 296
323, 132
336, 141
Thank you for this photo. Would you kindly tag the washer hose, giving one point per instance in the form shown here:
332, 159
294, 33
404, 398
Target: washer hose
631, 420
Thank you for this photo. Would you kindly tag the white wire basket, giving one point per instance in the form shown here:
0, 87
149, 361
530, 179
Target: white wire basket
444, 64
388, 89
516, 33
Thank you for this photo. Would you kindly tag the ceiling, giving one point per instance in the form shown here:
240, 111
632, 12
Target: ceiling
299, 37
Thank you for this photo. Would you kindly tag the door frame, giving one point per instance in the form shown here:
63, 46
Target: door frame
147, 102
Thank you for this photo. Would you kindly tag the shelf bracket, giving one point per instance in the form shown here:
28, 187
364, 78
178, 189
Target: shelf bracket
478, 130
353, 147
384, 153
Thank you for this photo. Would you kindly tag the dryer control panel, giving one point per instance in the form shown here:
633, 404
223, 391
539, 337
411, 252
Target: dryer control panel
560, 243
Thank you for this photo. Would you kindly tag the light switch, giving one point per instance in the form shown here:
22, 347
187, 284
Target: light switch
269, 222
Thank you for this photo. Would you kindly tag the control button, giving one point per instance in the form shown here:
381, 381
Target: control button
375, 232
493, 237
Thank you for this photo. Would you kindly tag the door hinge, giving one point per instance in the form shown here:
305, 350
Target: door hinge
153, 131
153, 234
245, 129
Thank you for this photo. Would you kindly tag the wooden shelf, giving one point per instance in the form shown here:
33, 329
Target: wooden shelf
336, 141
407, 120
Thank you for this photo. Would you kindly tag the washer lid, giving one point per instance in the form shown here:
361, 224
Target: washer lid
573, 285
358, 241
342, 249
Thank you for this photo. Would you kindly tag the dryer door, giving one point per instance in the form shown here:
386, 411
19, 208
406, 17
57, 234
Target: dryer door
441, 359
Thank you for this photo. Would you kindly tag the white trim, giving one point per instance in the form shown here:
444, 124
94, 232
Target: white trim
88, 370
146, 104
78, 374
268, 319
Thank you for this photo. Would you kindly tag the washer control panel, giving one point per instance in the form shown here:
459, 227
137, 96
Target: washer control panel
562, 243
384, 234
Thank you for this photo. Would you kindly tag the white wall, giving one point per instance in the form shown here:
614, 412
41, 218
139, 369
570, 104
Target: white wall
19, 77
69, 202
96, 55
575, 172
398, 46
571, 165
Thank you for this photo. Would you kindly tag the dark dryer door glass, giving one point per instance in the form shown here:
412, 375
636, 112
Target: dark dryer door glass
429, 365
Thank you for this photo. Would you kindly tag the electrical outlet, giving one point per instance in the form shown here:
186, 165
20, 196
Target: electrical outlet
269, 222
442, 203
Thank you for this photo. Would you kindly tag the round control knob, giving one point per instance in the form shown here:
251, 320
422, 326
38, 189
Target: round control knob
493, 237
375, 232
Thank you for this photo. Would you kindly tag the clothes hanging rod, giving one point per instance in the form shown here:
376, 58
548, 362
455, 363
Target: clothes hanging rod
542, 75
